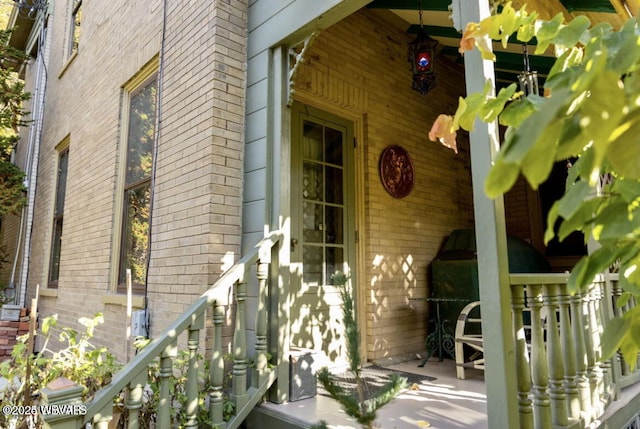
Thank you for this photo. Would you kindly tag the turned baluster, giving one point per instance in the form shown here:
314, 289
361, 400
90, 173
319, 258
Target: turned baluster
596, 373
557, 393
578, 327
164, 374
591, 360
134, 398
239, 383
618, 311
216, 370
539, 369
193, 340
522, 358
603, 314
567, 343
261, 324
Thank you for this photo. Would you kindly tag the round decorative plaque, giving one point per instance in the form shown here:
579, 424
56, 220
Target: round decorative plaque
396, 171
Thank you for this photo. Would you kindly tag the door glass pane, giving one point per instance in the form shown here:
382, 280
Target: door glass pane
335, 262
334, 222
312, 181
334, 186
312, 141
312, 221
333, 146
312, 256
323, 215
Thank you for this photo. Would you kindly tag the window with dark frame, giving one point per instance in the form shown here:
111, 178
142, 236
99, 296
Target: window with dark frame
74, 33
58, 216
134, 243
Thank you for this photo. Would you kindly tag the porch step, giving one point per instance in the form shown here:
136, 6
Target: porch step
266, 417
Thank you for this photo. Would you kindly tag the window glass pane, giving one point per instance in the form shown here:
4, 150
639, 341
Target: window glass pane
333, 146
136, 234
142, 121
58, 217
54, 266
61, 184
76, 20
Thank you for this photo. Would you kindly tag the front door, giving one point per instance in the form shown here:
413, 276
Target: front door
323, 228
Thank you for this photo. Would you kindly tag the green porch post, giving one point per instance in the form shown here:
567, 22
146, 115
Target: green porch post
493, 269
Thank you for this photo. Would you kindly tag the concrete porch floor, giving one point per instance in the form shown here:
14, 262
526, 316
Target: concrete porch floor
442, 403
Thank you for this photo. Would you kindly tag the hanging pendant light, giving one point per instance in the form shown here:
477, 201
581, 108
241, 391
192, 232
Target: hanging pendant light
422, 52
528, 79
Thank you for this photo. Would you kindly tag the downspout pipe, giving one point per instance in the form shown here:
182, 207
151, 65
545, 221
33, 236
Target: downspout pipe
35, 139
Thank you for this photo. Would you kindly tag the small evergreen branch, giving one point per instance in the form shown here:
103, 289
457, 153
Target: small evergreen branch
356, 406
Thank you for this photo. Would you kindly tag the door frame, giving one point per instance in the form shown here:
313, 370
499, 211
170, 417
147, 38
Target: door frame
358, 272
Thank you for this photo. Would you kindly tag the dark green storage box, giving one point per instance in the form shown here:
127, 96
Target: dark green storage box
454, 271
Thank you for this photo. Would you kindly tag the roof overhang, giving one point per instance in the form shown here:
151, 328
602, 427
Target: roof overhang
438, 24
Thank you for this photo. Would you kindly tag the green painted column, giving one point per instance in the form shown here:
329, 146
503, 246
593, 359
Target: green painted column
493, 270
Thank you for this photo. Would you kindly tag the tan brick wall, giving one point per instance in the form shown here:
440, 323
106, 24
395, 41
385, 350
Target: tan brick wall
197, 213
360, 66
516, 206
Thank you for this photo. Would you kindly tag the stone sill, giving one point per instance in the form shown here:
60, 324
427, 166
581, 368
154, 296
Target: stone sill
120, 299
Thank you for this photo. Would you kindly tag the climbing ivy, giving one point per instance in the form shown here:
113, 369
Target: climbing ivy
590, 111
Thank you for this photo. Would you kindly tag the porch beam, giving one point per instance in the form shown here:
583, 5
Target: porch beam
491, 239
292, 23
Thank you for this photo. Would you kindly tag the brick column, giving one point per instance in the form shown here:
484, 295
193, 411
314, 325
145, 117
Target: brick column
10, 330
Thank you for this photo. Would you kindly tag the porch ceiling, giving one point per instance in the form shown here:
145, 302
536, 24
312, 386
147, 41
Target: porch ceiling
509, 64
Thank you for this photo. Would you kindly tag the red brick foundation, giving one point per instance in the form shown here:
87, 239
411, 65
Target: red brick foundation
9, 330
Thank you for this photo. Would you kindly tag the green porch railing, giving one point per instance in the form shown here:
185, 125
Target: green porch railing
132, 377
562, 379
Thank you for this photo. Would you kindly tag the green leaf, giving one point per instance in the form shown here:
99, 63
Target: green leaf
601, 112
596, 31
493, 107
518, 111
623, 48
538, 162
587, 268
546, 31
520, 142
623, 151
501, 178
579, 220
526, 31
614, 331
564, 62
629, 190
569, 35
594, 62
48, 323
631, 273
623, 299
612, 222
573, 197
552, 217
626, 278
572, 140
